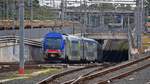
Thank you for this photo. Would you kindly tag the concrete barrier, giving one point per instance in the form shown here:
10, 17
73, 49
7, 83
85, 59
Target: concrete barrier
10, 53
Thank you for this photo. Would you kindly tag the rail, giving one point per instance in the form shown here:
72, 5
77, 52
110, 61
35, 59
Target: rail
117, 72
54, 77
9, 24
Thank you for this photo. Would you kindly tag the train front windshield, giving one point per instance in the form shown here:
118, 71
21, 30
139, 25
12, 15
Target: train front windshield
53, 43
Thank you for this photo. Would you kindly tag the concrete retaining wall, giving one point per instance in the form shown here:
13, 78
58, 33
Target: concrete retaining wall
10, 53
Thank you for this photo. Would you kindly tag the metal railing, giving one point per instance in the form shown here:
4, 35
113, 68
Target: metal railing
15, 39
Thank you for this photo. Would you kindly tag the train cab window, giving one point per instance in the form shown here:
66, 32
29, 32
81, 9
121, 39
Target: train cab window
53, 43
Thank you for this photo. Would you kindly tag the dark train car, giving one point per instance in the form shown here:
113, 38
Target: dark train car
63, 48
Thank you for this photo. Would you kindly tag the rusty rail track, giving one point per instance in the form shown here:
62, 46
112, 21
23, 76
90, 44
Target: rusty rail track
98, 69
62, 74
11, 67
117, 72
123, 75
9, 24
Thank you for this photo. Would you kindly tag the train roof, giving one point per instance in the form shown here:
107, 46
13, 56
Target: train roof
71, 37
88, 39
53, 34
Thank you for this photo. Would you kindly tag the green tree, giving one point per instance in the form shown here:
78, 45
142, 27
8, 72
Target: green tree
9, 10
124, 7
107, 6
35, 3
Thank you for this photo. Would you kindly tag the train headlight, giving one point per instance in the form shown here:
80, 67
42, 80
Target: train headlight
53, 55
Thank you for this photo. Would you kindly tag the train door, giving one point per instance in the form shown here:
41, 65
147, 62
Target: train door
91, 51
75, 50
85, 50
67, 49
99, 53
82, 56
94, 50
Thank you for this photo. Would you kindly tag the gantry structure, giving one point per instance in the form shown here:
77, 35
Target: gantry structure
83, 10
98, 16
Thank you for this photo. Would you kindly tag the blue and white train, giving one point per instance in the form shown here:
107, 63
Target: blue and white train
64, 48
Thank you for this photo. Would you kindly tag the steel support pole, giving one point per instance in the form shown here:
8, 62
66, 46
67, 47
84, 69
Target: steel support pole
53, 3
81, 18
62, 11
85, 16
129, 39
140, 22
21, 43
31, 13
31, 17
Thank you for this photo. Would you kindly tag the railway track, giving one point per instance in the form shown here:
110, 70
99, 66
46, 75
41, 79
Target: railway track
106, 76
67, 77
13, 66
